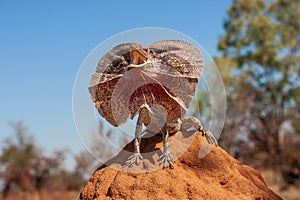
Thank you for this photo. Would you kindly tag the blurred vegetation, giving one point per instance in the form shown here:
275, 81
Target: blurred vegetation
260, 65
26, 169
27, 172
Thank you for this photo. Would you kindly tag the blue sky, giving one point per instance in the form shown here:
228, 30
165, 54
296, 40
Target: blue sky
43, 44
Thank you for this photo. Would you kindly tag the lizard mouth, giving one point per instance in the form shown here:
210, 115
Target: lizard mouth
132, 66
139, 58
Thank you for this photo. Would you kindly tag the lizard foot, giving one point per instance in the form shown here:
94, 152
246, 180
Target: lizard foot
166, 159
134, 158
209, 137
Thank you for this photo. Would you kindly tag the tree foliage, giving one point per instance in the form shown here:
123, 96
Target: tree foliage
261, 60
24, 167
17, 159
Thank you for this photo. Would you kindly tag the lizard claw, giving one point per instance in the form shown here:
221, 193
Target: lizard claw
209, 137
189, 122
134, 158
165, 159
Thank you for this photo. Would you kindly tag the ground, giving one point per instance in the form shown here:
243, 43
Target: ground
215, 176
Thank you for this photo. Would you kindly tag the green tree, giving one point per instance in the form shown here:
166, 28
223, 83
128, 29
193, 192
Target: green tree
262, 42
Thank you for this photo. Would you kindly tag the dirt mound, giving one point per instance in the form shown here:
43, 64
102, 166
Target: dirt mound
215, 176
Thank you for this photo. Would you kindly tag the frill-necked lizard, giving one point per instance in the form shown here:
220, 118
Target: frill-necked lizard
155, 82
